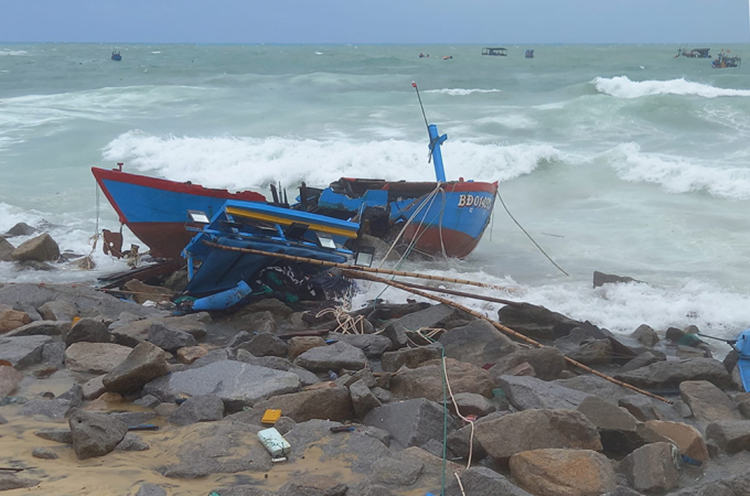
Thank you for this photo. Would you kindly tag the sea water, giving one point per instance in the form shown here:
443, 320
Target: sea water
621, 159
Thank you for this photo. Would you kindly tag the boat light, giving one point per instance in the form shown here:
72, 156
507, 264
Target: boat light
326, 241
364, 256
198, 217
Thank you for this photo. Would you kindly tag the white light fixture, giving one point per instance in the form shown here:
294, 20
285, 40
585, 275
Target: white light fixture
326, 241
364, 257
198, 217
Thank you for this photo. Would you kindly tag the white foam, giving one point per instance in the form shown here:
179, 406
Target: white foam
623, 87
679, 175
5, 52
462, 91
242, 163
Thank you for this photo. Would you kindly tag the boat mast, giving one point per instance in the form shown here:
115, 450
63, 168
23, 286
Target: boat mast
435, 141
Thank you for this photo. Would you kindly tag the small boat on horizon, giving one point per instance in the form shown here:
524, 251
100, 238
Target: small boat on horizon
496, 51
723, 60
529, 54
116, 56
695, 53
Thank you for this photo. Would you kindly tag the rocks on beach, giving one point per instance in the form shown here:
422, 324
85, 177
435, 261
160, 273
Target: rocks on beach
370, 404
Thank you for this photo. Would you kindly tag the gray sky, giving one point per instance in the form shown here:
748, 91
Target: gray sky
381, 21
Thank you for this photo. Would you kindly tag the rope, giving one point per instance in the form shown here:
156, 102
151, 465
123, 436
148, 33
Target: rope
324, 263
529, 235
502, 328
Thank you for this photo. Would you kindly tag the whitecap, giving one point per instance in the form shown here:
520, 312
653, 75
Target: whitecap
623, 87
462, 91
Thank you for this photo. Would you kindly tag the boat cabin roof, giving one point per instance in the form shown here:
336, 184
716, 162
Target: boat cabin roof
494, 51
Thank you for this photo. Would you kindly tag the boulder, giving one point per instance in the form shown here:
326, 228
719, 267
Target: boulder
536, 429
471, 404
88, 330
619, 431
44, 453
169, 338
481, 481
651, 468
478, 343
731, 436
152, 490
60, 310
412, 358
41, 248
12, 481
362, 398
93, 388
527, 393
334, 357
95, 358
55, 408
593, 352
563, 472
131, 333
58, 435
6, 249
547, 363
326, 403
143, 364
20, 229
190, 354
411, 422
686, 437
313, 485
143, 292
397, 471
640, 407
41, 328
132, 442
12, 319
276, 308
192, 323
536, 321
596, 386
600, 279
461, 441
266, 344
95, 434
642, 360
427, 381
300, 344
306, 377
373, 345
23, 351
645, 335
668, 375
428, 318
237, 384
201, 408
708, 403
10, 378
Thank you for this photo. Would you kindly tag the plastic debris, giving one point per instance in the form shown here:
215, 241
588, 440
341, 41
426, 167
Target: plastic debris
270, 416
274, 442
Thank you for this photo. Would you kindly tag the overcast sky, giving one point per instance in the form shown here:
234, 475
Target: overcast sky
382, 21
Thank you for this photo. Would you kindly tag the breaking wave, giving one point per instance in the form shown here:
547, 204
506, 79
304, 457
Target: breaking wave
461, 91
622, 87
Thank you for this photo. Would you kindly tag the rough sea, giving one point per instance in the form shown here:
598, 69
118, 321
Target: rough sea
621, 159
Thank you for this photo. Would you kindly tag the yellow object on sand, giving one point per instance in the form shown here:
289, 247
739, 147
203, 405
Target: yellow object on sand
270, 417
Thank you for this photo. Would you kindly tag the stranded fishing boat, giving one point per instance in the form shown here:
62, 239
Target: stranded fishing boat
156, 210
229, 272
723, 60
440, 218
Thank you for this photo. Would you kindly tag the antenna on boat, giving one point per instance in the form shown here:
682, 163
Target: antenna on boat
435, 141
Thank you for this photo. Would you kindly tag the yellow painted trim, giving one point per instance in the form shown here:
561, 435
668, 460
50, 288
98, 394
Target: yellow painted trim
288, 222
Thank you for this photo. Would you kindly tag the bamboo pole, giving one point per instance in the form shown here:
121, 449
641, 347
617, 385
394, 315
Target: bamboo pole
464, 294
502, 328
324, 263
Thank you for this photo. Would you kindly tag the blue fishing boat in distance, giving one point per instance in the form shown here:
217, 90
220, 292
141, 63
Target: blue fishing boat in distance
223, 269
116, 56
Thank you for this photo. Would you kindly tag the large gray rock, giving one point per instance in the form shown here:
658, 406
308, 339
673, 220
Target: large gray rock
481, 481
593, 352
668, 375
10, 378
6, 249
708, 403
23, 351
237, 384
596, 386
132, 442
362, 398
313, 485
58, 310
151, 490
95, 434
471, 404
642, 360
12, 481
536, 321
428, 318
327, 403
169, 338
41, 328
334, 357
12, 319
41, 248
202, 408
55, 408
645, 335
427, 381
131, 332
651, 468
265, 344
58, 435
373, 345
143, 364
95, 358
729, 486
478, 343
732, 436
536, 429
527, 393
410, 422
412, 358
548, 362
306, 377
89, 330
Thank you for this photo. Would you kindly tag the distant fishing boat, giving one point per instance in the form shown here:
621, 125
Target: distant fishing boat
496, 51
529, 54
116, 56
695, 53
723, 60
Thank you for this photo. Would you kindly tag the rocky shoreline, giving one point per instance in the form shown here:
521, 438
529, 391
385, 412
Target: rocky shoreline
363, 409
